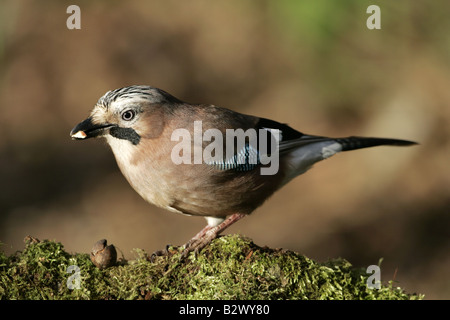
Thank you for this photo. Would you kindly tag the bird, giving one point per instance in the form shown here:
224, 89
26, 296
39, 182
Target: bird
205, 160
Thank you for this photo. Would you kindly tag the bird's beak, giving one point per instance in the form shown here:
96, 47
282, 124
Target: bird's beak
87, 129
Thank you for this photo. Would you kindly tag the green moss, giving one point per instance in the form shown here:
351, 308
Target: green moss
232, 267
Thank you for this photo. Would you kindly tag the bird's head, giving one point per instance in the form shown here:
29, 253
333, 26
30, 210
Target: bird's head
128, 113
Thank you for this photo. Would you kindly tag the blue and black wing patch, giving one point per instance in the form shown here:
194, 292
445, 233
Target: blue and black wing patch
246, 159
249, 156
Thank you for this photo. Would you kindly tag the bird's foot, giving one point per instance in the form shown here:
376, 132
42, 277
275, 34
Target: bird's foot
168, 251
198, 243
208, 234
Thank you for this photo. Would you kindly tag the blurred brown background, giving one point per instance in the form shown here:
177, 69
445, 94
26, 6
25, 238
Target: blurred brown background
312, 64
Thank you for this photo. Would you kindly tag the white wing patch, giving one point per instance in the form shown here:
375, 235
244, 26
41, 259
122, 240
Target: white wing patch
331, 149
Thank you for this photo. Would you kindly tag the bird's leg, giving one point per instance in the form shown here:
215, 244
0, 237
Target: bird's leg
208, 233
199, 235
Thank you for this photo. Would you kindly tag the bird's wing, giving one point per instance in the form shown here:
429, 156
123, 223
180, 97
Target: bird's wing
272, 136
302, 148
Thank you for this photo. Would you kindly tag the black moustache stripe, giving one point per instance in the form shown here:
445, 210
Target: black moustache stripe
125, 134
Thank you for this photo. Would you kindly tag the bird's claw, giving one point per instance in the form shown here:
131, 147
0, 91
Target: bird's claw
161, 253
197, 244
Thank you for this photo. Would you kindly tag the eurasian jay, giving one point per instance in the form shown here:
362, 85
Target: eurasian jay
204, 160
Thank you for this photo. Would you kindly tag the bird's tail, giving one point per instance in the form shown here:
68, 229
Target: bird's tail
353, 143
304, 152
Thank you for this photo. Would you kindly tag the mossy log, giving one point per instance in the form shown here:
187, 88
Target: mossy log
232, 267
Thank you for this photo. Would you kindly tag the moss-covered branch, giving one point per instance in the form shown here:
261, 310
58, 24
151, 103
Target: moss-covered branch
232, 267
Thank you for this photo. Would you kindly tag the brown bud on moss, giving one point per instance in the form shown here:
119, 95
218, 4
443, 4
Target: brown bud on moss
102, 255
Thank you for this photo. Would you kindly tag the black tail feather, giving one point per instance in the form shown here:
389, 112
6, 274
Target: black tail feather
353, 143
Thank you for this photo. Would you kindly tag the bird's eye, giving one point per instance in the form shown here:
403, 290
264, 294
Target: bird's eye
128, 115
